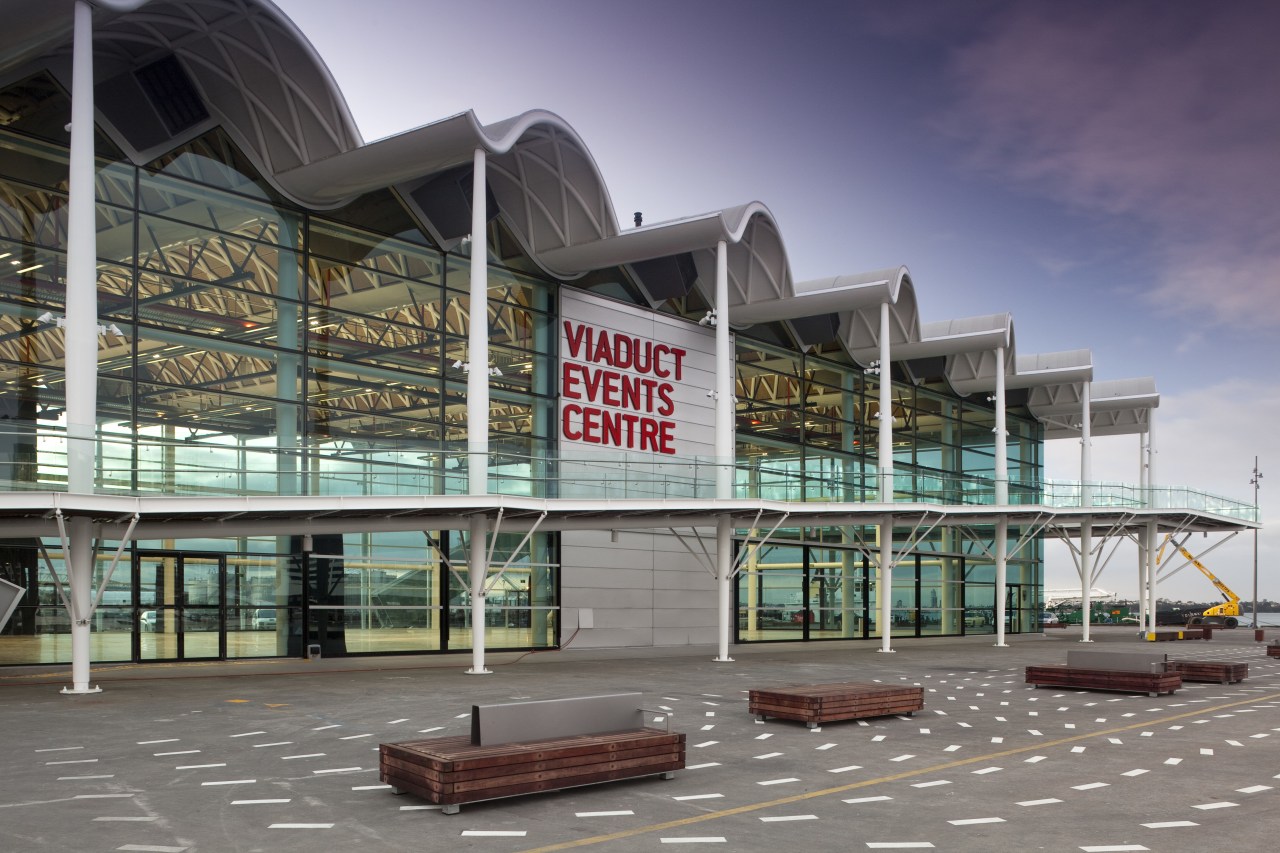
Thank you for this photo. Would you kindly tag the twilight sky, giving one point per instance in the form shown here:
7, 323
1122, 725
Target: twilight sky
1108, 171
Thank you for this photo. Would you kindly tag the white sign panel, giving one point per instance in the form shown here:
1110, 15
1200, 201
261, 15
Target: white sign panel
634, 386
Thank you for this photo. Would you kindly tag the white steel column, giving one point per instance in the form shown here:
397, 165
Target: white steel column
1153, 531
81, 336
478, 339
478, 570
1002, 435
80, 579
724, 587
1143, 577
724, 449
1002, 576
1002, 499
724, 382
1086, 500
81, 343
884, 582
885, 447
478, 407
1086, 576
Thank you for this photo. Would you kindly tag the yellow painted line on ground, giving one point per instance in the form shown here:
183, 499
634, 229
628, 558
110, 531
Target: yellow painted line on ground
866, 783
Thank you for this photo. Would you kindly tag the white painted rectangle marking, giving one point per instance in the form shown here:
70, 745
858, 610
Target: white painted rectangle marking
935, 783
59, 749
177, 752
845, 769
74, 778
161, 740
902, 758
1114, 848
705, 839
301, 826
703, 766
698, 797
825, 746
135, 819
275, 743
1253, 789
397, 722
336, 770
151, 848
1170, 824
1134, 772
259, 802
232, 782
370, 787
73, 761
971, 821
986, 770
604, 814
198, 766
323, 728
900, 845
101, 796
778, 781
308, 755
705, 744
1044, 802
768, 755
878, 799
430, 730
1223, 805
1089, 786
356, 737
247, 734
781, 818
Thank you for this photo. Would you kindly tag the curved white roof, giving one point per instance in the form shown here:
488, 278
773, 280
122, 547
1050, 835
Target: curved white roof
262, 81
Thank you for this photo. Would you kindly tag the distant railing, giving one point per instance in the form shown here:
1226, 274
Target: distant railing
37, 461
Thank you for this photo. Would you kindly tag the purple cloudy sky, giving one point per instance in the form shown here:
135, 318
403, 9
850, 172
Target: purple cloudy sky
1108, 171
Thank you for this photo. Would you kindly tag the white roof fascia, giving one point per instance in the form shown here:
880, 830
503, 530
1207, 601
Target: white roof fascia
416, 153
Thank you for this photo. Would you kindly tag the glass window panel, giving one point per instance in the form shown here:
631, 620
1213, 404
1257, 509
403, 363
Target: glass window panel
179, 201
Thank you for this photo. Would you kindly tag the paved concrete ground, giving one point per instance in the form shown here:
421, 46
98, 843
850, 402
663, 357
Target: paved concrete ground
281, 755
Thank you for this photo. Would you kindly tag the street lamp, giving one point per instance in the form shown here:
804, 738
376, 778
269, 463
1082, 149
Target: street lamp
1255, 482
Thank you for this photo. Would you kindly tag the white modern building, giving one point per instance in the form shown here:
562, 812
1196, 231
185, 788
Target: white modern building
249, 410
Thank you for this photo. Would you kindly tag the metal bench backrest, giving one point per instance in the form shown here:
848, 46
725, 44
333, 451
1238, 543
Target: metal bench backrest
1122, 661
512, 722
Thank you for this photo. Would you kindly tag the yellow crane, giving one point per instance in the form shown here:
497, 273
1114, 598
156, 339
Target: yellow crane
1226, 614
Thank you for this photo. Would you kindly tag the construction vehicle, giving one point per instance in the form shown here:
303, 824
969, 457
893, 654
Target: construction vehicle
1224, 615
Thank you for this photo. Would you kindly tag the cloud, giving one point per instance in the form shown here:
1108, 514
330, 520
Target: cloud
1166, 120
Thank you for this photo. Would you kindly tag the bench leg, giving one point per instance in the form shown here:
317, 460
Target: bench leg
451, 809
760, 718
811, 724
670, 774
397, 791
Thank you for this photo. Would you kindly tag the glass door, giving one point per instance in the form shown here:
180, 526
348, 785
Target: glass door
180, 605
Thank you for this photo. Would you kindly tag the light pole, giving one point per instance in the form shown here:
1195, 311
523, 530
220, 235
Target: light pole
1255, 482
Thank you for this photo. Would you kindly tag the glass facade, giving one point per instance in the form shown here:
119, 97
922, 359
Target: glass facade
250, 347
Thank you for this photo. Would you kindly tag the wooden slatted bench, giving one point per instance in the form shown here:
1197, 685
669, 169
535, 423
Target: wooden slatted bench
1221, 672
813, 704
527, 747
1273, 650
1183, 634
1128, 672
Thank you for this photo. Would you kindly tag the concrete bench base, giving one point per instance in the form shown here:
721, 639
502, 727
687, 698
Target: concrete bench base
813, 704
1126, 681
1220, 672
451, 771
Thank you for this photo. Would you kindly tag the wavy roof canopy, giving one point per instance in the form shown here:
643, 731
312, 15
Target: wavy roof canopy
253, 73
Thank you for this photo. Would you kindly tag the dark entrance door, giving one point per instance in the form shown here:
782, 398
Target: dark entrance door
181, 610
